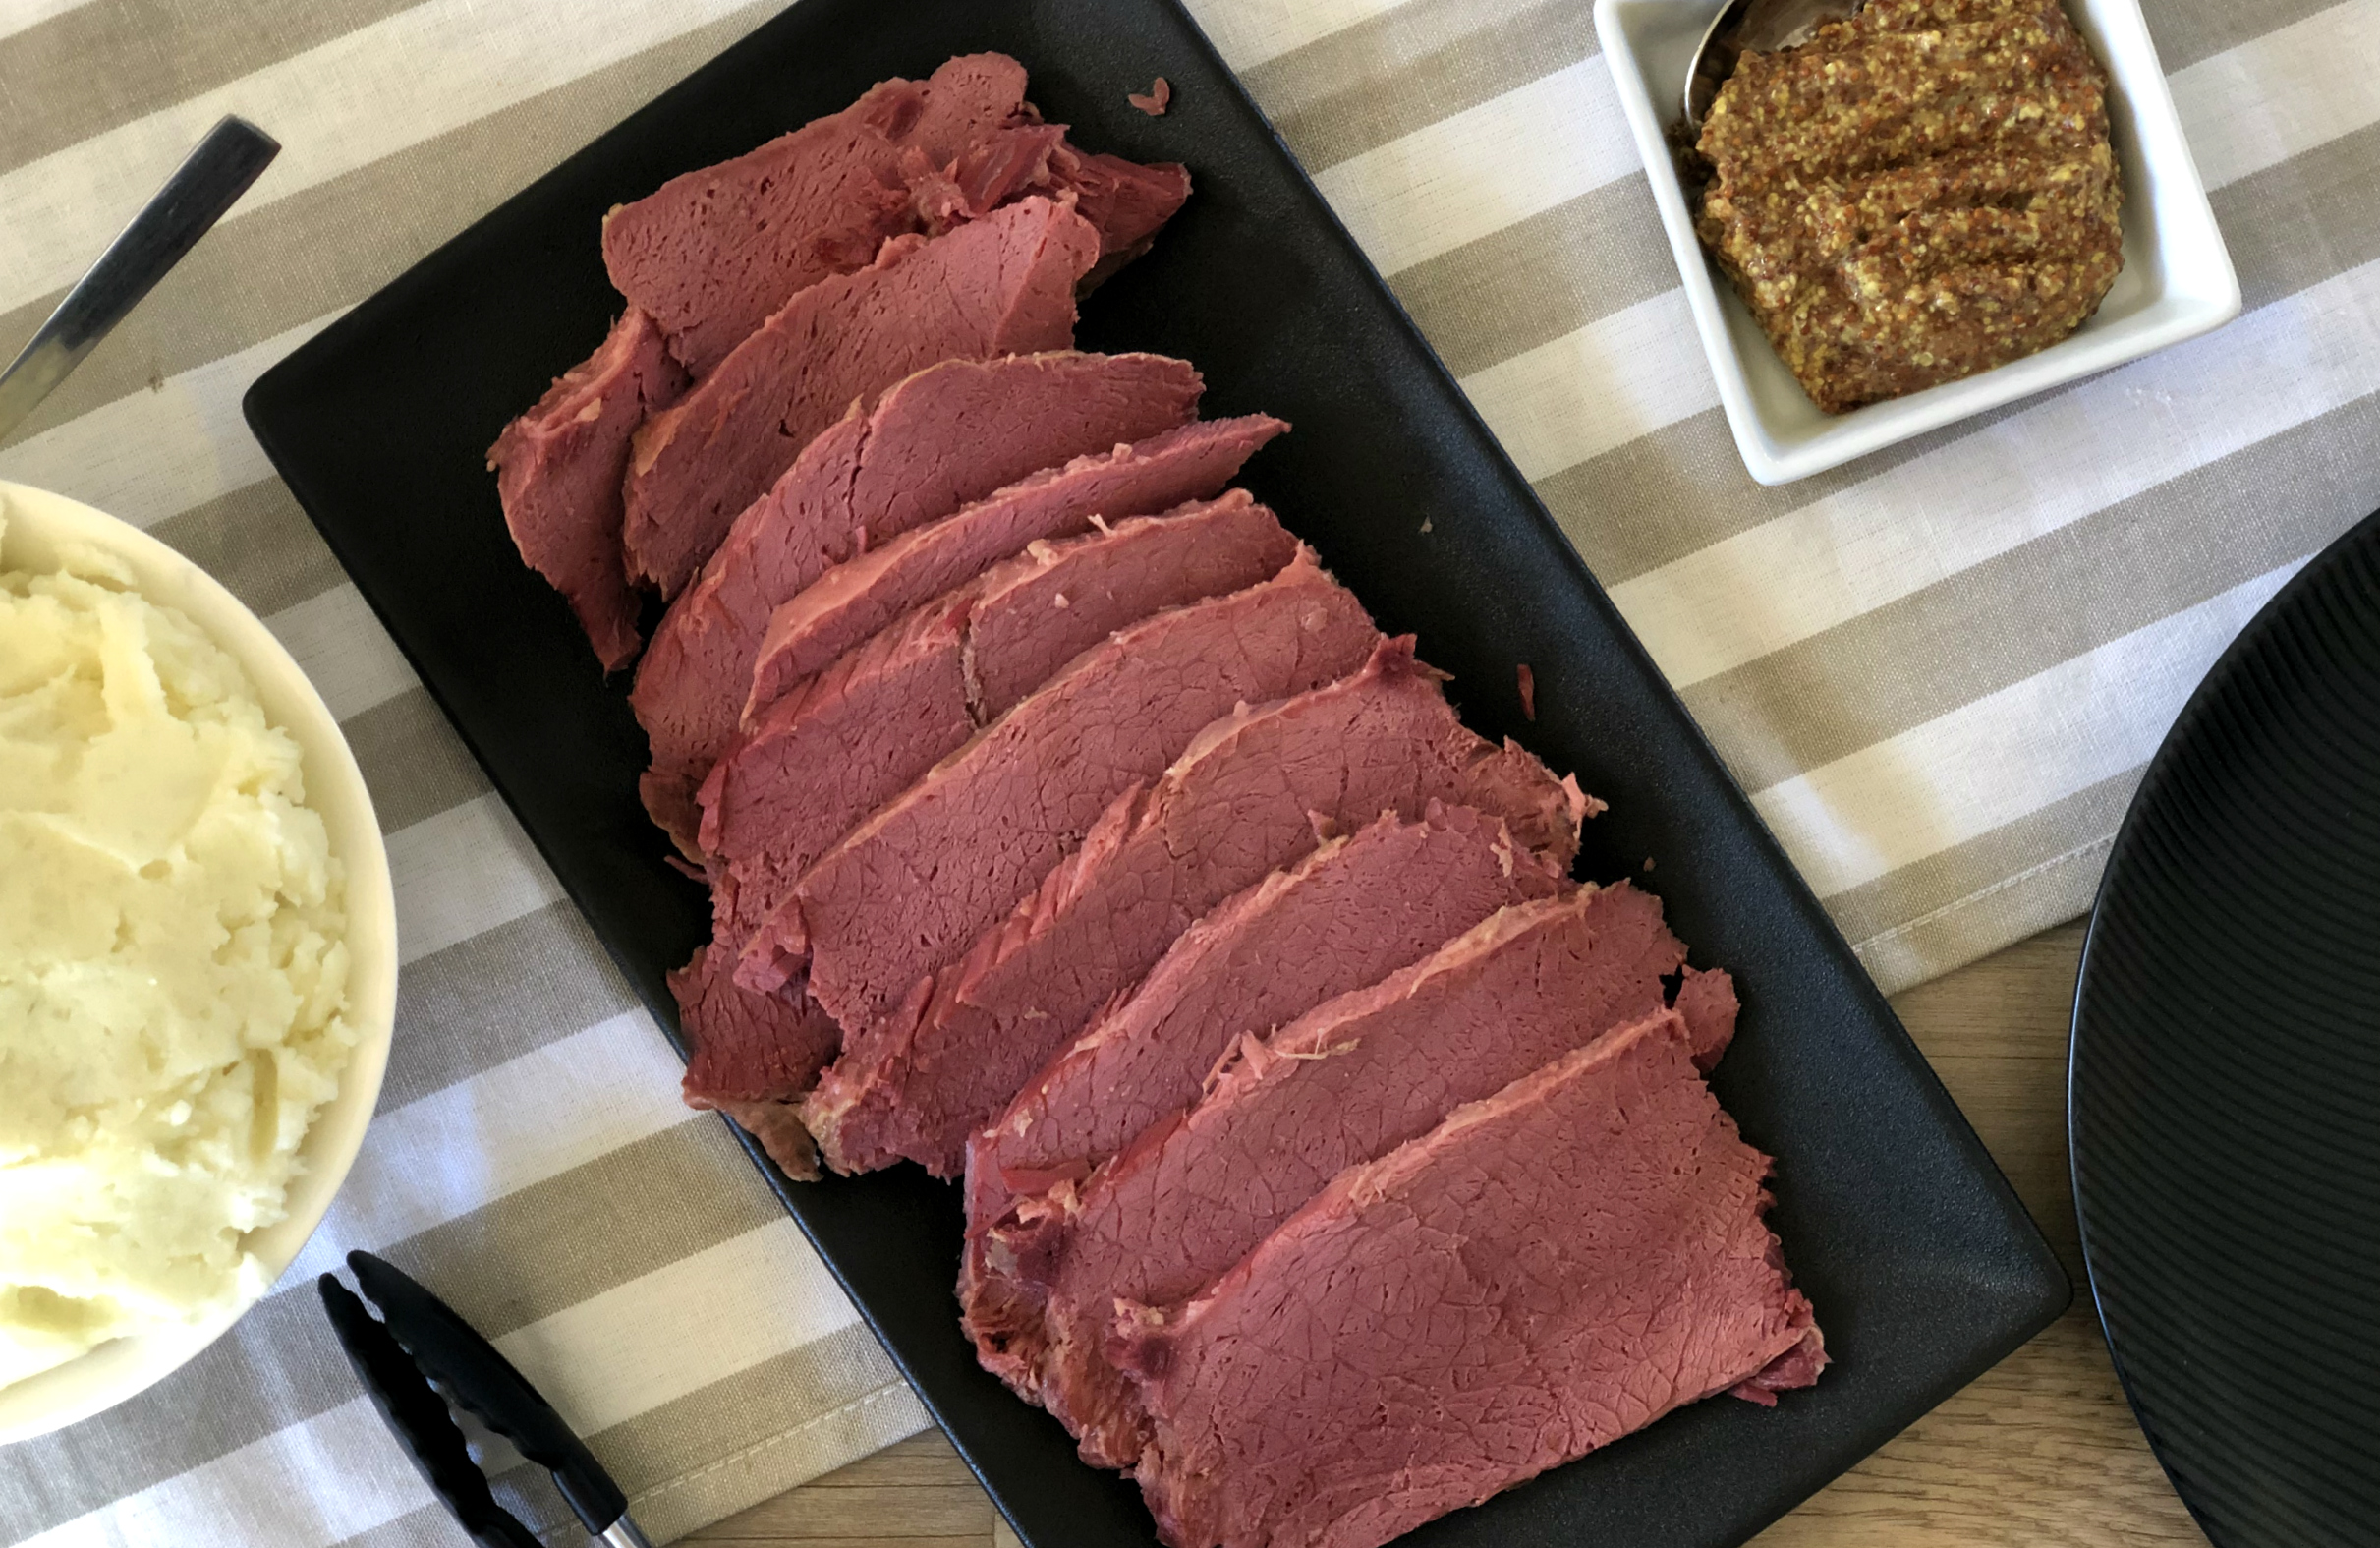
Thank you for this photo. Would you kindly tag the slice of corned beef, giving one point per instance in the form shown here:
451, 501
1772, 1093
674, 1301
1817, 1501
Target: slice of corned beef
1003, 285
710, 253
864, 730
931, 870
1350, 1079
953, 433
1541, 1274
866, 593
1127, 201
1347, 915
559, 470
1249, 794
748, 1054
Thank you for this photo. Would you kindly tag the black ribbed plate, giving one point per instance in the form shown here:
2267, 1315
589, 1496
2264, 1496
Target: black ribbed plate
1923, 1265
2225, 1090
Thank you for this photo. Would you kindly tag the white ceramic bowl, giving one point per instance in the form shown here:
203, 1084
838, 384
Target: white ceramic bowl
32, 525
2177, 281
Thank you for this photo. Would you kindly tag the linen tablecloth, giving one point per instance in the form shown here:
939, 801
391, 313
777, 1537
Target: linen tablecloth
1940, 671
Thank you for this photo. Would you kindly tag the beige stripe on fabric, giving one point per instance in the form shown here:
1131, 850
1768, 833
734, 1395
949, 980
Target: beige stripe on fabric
1540, 278
157, 52
413, 762
2068, 591
553, 1245
258, 543
1362, 88
2188, 31
1966, 902
330, 246
2298, 223
504, 993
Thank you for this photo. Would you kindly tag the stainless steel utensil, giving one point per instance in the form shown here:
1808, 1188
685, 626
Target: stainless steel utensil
1756, 26
207, 183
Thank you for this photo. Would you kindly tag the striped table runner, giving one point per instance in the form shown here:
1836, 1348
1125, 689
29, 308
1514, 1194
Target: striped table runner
1940, 669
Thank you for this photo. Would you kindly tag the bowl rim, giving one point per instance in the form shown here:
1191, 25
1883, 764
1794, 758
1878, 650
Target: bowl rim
120, 1368
2140, 96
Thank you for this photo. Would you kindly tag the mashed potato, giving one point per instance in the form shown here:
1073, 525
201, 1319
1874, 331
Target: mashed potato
172, 974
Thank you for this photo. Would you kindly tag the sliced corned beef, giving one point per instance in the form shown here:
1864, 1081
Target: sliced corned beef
928, 872
866, 593
1247, 796
1127, 201
1349, 914
1542, 1273
825, 756
559, 470
749, 1052
1003, 285
1350, 1079
710, 253
997, 167
953, 432
864, 730
1039, 609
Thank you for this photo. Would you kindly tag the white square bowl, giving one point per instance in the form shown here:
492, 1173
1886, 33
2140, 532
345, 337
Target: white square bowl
2177, 281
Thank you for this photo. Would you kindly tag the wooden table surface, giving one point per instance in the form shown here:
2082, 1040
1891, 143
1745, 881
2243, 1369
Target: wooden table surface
2040, 1451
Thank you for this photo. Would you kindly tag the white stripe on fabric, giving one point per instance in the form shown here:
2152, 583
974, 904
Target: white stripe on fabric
260, 1494
1915, 525
339, 106
17, 15
443, 1155
2083, 720
682, 1327
1480, 170
1576, 397
2276, 96
351, 659
608, 1358
465, 871
153, 454
1247, 33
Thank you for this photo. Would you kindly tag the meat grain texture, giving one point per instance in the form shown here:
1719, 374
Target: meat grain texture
749, 1054
712, 253
1254, 791
1003, 285
866, 593
1356, 909
558, 469
953, 433
1547, 1269
926, 874
858, 734
1357, 1075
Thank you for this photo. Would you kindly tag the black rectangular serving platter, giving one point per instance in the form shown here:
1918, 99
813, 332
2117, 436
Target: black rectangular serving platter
1923, 1265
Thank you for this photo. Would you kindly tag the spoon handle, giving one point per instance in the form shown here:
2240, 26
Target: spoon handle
233, 155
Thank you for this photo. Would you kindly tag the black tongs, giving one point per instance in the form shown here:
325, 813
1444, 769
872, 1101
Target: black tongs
417, 1338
